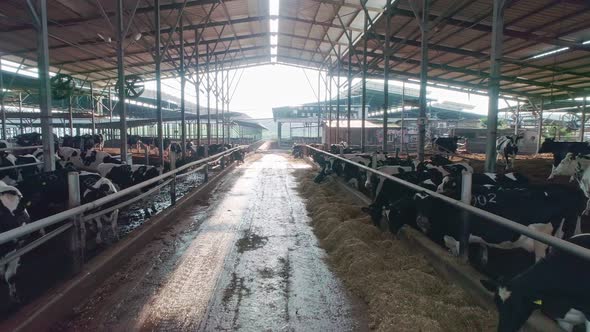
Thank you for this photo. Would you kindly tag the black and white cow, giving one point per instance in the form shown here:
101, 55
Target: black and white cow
13, 214
15, 175
560, 149
84, 142
124, 176
577, 167
92, 158
557, 285
507, 148
551, 209
446, 145
93, 187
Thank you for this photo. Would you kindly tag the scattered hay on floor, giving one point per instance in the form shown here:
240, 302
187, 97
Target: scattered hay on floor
401, 288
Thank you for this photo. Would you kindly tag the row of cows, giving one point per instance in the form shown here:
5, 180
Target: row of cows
28, 194
558, 279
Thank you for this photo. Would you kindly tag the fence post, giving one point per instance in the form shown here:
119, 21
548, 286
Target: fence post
466, 178
222, 162
78, 231
172, 156
146, 148
206, 171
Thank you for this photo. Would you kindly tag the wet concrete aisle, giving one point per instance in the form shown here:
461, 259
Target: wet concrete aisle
249, 261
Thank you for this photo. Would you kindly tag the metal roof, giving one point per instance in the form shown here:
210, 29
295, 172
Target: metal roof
311, 34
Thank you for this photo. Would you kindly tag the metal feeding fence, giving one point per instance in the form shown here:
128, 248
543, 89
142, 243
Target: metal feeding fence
76, 217
464, 205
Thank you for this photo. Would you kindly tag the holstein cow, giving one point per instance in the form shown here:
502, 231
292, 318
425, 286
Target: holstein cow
560, 149
507, 148
47, 193
553, 210
84, 142
557, 284
446, 145
577, 168
12, 215
134, 141
92, 158
15, 175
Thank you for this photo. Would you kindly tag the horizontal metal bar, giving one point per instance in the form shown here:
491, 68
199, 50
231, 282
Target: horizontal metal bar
34, 244
16, 148
514, 226
18, 232
124, 204
20, 166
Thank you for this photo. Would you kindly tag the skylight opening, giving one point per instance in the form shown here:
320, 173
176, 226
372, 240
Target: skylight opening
273, 8
559, 50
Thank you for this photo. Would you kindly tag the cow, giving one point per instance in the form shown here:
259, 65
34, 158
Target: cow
92, 158
93, 187
553, 210
84, 142
134, 141
297, 151
46, 194
238, 156
446, 145
14, 175
577, 168
560, 149
13, 214
124, 176
71, 156
557, 284
507, 148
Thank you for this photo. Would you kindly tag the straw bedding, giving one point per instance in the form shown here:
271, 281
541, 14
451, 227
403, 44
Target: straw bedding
401, 288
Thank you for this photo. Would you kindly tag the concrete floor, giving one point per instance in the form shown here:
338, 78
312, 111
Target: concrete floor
246, 260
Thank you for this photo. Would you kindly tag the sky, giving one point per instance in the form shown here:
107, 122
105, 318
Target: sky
263, 87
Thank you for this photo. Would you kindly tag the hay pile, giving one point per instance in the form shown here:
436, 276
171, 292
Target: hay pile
401, 288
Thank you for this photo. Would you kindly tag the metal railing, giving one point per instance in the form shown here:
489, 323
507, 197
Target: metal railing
17, 148
78, 211
504, 222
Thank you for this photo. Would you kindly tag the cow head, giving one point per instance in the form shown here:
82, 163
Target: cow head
568, 166
13, 212
514, 309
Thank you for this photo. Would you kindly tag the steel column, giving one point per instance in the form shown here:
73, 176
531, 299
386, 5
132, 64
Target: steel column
423, 80
583, 124
182, 87
402, 115
516, 116
70, 116
319, 106
198, 92
386, 56
540, 128
20, 110
364, 84
216, 102
158, 63
2, 102
40, 20
349, 78
121, 81
208, 100
330, 107
494, 83
338, 96
222, 93
93, 107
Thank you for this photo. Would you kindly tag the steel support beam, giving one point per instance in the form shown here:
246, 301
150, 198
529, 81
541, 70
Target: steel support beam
2, 102
93, 105
329, 96
583, 124
182, 87
494, 83
349, 95
198, 93
121, 81
540, 127
216, 94
40, 23
319, 105
402, 115
364, 84
386, 55
423, 79
70, 116
338, 64
208, 100
158, 62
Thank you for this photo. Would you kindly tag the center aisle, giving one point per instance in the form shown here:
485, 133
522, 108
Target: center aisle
249, 261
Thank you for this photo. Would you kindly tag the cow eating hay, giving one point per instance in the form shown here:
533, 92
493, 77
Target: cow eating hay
400, 286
